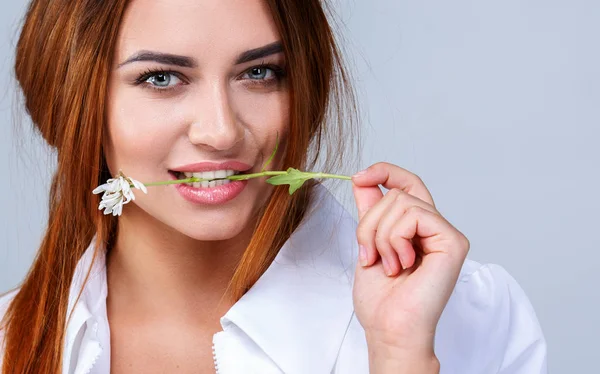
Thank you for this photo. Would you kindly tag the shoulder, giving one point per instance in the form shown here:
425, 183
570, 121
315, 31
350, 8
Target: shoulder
490, 325
487, 326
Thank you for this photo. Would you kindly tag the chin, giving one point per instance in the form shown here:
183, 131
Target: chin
216, 225
213, 230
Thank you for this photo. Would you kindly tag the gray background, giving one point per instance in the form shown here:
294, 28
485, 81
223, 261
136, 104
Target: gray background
495, 104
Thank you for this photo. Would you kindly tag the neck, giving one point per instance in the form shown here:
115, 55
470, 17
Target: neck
153, 269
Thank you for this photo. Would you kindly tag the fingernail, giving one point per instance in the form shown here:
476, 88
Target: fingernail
362, 253
402, 262
386, 267
360, 174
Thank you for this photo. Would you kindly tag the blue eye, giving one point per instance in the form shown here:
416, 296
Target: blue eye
265, 74
159, 80
261, 72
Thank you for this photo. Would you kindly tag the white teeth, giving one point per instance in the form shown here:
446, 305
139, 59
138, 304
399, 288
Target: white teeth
204, 175
208, 175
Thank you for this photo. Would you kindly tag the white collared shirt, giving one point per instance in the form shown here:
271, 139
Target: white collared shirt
298, 318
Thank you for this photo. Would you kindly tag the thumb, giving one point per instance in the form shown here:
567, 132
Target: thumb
365, 197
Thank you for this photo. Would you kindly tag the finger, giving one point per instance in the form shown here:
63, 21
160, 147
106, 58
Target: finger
440, 266
405, 255
432, 229
389, 258
393, 176
367, 226
366, 197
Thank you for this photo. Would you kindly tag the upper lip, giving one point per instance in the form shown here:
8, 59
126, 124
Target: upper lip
212, 166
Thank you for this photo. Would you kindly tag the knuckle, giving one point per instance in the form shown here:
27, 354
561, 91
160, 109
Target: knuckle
362, 233
418, 179
465, 242
402, 197
398, 241
379, 236
394, 192
382, 166
375, 166
414, 209
381, 242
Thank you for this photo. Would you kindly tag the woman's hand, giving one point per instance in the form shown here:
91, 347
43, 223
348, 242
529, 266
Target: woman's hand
409, 262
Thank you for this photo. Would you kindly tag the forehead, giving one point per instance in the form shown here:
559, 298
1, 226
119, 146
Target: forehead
204, 29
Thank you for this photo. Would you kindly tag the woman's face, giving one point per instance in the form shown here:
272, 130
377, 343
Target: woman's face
187, 88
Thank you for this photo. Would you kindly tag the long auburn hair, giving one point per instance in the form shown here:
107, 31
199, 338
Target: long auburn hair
63, 61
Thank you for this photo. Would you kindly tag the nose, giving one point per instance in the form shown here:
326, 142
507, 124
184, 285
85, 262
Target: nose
216, 126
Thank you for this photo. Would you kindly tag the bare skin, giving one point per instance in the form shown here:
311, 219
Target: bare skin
173, 259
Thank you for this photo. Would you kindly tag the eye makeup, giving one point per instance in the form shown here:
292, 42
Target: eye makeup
148, 78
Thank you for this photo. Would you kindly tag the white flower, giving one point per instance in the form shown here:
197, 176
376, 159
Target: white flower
117, 192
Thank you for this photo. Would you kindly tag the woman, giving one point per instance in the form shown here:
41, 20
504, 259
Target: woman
241, 278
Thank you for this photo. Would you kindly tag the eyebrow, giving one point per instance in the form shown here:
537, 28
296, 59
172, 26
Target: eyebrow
264, 51
190, 62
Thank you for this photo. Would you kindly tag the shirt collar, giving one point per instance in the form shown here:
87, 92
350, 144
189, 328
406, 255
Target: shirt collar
299, 309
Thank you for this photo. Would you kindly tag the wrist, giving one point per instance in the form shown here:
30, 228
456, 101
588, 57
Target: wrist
385, 358
413, 341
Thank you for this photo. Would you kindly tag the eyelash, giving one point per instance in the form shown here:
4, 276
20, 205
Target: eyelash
277, 70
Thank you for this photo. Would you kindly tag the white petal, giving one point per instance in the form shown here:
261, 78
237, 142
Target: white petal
128, 196
104, 205
114, 185
112, 198
100, 188
111, 203
129, 193
123, 183
127, 190
139, 185
117, 210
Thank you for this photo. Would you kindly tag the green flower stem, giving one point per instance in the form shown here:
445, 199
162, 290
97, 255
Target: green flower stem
241, 177
336, 176
247, 176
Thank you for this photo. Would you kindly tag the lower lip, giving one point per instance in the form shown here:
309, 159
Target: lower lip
211, 195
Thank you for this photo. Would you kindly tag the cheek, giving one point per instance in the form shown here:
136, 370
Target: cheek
265, 113
267, 116
138, 132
